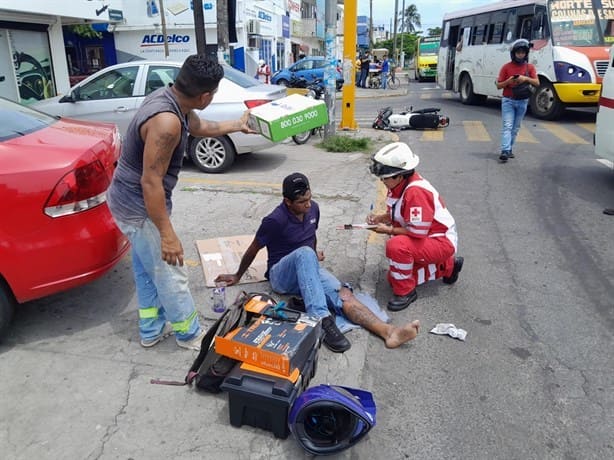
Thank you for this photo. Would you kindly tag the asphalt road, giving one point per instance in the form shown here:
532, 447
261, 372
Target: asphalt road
533, 380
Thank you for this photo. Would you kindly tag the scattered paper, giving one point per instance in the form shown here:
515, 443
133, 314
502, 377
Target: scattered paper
449, 329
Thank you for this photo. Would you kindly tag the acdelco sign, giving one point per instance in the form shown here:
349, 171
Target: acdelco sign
158, 39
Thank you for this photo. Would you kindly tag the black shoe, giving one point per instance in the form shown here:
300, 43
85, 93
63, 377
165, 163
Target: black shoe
334, 340
458, 266
400, 302
510, 154
504, 156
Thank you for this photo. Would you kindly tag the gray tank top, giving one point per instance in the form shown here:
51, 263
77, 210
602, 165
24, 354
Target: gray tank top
125, 195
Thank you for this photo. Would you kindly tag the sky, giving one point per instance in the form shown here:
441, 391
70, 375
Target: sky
431, 11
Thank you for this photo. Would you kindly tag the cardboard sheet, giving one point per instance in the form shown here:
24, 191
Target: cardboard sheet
223, 255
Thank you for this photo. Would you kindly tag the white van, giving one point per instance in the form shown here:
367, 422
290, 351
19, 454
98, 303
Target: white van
604, 131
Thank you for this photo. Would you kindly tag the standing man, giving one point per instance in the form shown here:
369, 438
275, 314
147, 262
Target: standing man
514, 104
423, 238
385, 69
140, 198
264, 72
365, 62
289, 234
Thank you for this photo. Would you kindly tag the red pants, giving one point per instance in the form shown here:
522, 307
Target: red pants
414, 261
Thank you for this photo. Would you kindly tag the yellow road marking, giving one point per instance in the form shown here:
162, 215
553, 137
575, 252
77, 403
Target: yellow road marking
426, 96
524, 135
197, 180
588, 126
476, 132
432, 136
564, 134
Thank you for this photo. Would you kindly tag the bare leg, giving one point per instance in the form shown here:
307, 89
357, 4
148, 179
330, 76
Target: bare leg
394, 336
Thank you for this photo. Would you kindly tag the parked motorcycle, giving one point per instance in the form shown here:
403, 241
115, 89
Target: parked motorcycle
428, 118
316, 90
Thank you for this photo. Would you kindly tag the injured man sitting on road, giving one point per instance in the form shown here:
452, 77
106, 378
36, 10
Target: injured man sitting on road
293, 267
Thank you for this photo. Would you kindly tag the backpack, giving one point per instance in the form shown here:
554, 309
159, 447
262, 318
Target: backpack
210, 368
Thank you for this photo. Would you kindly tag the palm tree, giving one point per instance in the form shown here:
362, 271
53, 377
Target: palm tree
410, 19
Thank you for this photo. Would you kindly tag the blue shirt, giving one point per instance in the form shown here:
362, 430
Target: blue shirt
282, 232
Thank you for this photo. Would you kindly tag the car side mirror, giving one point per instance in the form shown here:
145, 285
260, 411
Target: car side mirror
72, 96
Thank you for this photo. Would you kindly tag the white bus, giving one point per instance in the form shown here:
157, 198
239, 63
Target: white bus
604, 128
570, 50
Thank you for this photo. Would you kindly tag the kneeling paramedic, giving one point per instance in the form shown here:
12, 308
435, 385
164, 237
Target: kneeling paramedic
423, 238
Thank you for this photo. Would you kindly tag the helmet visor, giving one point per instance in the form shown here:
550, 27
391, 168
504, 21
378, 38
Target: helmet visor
380, 170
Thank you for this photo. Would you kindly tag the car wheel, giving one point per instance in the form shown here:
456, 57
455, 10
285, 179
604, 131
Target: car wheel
212, 154
7, 308
282, 82
544, 102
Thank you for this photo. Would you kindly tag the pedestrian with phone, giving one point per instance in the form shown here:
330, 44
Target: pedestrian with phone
517, 79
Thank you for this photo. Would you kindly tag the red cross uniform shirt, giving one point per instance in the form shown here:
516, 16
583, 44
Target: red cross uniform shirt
417, 207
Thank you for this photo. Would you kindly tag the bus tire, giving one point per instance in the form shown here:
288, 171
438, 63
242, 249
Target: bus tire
544, 102
467, 96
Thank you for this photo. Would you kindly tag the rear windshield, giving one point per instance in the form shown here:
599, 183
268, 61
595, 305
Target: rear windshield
239, 77
17, 120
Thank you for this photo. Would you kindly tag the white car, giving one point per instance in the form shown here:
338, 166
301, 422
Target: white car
114, 94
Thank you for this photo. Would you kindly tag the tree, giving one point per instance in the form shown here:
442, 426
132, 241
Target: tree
410, 19
434, 32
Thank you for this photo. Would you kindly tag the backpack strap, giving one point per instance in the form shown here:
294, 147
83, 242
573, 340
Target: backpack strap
204, 348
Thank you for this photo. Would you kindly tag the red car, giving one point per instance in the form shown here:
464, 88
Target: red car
56, 231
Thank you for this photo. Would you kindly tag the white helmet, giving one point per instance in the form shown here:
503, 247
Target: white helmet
261, 62
394, 159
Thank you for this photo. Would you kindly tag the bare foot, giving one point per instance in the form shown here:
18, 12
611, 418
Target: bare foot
400, 335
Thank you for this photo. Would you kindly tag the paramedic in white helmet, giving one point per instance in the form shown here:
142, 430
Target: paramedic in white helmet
423, 239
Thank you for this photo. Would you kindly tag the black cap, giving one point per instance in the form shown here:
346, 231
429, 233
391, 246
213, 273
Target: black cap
295, 185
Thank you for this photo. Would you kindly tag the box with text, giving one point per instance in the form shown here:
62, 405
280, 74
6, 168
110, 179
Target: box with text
288, 116
278, 346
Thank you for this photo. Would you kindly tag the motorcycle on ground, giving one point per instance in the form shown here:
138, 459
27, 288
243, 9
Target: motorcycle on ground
428, 118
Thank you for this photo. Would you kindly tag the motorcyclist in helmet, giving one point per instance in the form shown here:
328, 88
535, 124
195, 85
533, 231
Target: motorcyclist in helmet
423, 240
513, 76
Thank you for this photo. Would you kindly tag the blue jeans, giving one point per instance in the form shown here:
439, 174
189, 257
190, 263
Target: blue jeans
384, 76
362, 81
162, 289
299, 273
512, 113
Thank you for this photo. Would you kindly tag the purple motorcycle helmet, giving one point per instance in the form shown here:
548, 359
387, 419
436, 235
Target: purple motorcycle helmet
327, 419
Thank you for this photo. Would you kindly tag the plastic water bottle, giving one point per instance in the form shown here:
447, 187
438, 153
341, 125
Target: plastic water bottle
219, 297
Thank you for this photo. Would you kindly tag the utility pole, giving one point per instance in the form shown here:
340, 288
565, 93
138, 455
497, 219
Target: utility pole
330, 76
163, 21
348, 122
370, 24
199, 27
222, 30
394, 34
402, 53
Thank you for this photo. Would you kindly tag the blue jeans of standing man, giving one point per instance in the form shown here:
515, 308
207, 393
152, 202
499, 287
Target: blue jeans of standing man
512, 113
162, 289
384, 76
299, 273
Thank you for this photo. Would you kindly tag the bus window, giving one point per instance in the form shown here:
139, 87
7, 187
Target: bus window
526, 28
608, 32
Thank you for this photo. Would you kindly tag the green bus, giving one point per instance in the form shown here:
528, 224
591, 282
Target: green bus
427, 50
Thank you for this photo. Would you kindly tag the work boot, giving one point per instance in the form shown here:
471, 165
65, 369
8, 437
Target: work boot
400, 302
458, 266
334, 340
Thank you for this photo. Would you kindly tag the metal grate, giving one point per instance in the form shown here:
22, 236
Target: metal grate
601, 67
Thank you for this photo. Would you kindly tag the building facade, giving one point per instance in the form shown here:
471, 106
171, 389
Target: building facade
40, 56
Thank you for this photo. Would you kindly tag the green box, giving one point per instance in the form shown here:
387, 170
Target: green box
285, 117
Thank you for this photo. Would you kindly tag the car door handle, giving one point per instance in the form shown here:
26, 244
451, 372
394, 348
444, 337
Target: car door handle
121, 108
